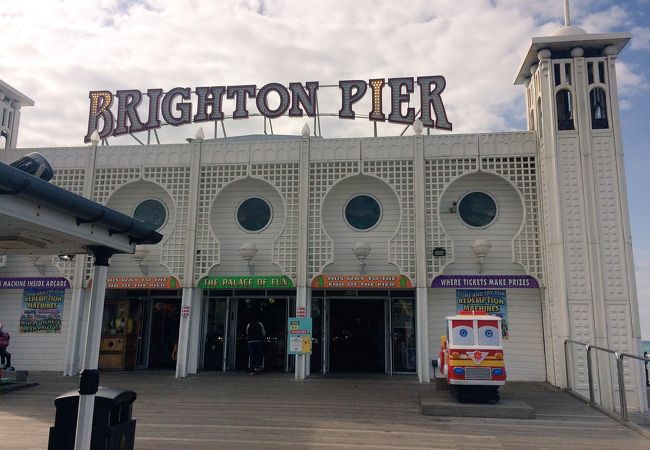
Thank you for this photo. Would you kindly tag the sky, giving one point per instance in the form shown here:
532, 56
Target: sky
55, 52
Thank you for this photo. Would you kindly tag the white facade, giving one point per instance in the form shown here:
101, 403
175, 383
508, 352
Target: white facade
562, 220
11, 101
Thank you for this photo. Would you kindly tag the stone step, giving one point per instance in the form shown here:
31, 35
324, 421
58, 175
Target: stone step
445, 405
14, 375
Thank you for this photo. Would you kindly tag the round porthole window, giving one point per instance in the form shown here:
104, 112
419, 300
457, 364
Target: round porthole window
254, 214
362, 212
152, 212
477, 209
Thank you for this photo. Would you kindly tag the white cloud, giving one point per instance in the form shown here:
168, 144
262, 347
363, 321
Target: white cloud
604, 21
640, 38
630, 80
58, 51
117, 44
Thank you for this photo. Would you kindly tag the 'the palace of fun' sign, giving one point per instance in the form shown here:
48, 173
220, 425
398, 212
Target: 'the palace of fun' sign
298, 99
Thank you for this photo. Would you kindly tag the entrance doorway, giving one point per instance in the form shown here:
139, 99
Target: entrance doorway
165, 323
357, 335
272, 313
140, 329
363, 331
225, 347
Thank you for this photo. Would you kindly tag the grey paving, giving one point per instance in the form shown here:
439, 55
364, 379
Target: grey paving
233, 411
442, 404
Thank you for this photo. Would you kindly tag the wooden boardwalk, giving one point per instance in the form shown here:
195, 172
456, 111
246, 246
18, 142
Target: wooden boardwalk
233, 411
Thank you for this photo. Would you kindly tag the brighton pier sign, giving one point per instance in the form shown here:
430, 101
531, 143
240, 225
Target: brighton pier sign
175, 107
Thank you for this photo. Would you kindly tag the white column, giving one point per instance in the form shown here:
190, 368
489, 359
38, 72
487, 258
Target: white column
302, 281
91, 356
78, 315
183, 348
195, 331
73, 352
182, 355
590, 180
557, 296
15, 105
301, 360
308, 357
635, 326
421, 297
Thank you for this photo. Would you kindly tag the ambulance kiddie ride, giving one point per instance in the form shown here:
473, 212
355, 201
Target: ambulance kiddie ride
471, 356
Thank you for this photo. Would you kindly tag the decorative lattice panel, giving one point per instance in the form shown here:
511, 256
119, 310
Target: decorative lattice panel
399, 175
176, 181
285, 177
522, 172
322, 176
65, 267
71, 180
89, 268
105, 183
213, 179
108, 180
439, 173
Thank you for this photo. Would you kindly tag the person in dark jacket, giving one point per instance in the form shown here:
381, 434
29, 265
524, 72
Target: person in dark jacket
255, 334
5, 356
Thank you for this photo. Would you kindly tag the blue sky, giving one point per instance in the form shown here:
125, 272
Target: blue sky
56, 52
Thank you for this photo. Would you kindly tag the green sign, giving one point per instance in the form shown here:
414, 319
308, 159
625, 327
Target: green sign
244, 282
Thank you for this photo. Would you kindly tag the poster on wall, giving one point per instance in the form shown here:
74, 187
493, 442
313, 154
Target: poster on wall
299, 335
487, 300
42, 311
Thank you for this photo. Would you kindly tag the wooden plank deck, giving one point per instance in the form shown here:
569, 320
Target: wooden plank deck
223, 411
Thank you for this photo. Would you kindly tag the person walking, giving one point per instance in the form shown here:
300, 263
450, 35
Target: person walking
5, 356
255, 334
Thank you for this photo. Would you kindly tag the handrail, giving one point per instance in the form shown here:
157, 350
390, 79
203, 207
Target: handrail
619, 356
568, 375
621, 379
591, 382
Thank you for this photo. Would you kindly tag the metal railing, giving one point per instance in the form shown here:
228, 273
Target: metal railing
619, 372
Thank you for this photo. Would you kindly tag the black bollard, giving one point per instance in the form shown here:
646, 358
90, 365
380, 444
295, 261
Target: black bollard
647, 381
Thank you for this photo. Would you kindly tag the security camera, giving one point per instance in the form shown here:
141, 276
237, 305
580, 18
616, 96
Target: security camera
35, 164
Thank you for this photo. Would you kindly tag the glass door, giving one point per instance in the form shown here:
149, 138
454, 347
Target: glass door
163, 339
316, 359
141, 311
289, 363
388, 347
231, 334
326, 336
358, 335
214, 343
403, 335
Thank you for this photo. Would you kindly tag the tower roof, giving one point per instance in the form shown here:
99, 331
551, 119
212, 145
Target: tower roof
14, 94
567, 38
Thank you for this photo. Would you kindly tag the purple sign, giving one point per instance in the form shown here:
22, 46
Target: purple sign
42, 311
34, 283
485, 281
